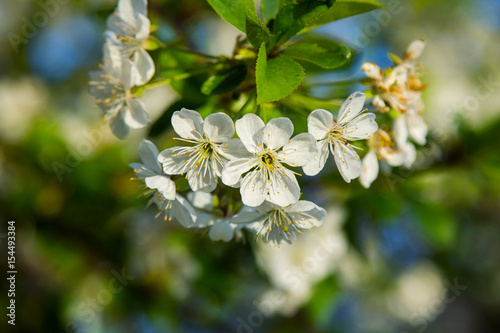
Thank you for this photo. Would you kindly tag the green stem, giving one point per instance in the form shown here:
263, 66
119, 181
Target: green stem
208, 56
181, 76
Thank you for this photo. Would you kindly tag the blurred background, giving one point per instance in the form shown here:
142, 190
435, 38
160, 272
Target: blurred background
417, 252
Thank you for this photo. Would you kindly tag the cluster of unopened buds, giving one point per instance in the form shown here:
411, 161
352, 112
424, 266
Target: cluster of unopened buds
264, 159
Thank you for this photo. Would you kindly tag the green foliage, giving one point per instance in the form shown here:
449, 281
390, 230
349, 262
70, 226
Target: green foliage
225, 80
234, 12
276, 78
269, 9
342, 9
319, 51
294, 17
257, 32
437, 223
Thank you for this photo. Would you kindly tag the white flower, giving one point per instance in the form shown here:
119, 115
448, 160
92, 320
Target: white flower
213, 146
401, 89
381, 148
277, 224
352, 124
129, 28
111, 86
267, 149
161, 188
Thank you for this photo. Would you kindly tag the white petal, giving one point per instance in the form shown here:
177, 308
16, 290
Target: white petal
143, 26
393, 157
249, 130
362, 127
218, 127
319, 123
299, 151
351, 107
318, 163
145, 67
370, 169
233, 149
415, 50
188, 124
204, 220
149, 155
417, 128
400, 131
233, 170
118, 126
174, 163
131, 7
284, 189
221, 231
202, 179
201, 200
277, 132
183, 212
163, 184
410, 154
129, 75
378, 102
372, 71
347, 161
307, 214
252, 190
137, 115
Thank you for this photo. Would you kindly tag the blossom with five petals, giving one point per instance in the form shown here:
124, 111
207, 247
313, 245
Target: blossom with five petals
334, 136
268, 149
213, 146
111, 86
161, 188
129, 29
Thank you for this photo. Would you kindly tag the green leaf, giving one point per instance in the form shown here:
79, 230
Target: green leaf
276, 78
269, 9
257, 31
233, 11
342, 9
437, 223
225, 80
294, 17
319, 51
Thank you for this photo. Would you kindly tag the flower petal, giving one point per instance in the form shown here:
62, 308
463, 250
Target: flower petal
400, 131
277, 132
284, 189
137, 115
149, 156
221, 231
118, 125
393, 157
202, 178
410, 154
174, 163
183, 212
347, 161
252, 190
233, 149
145, 67
218, 127
351, 107
231, 174
143, 25
417, 128
372, 71
188, 124
128, 7
370, 169
163, 184
201, 200
415, 50
306, 214
299, 151
318, 163
319, 123
249, 130
362, 127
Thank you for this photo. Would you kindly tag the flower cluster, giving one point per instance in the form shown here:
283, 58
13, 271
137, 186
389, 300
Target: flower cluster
400, 89
262, 162
126, 64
